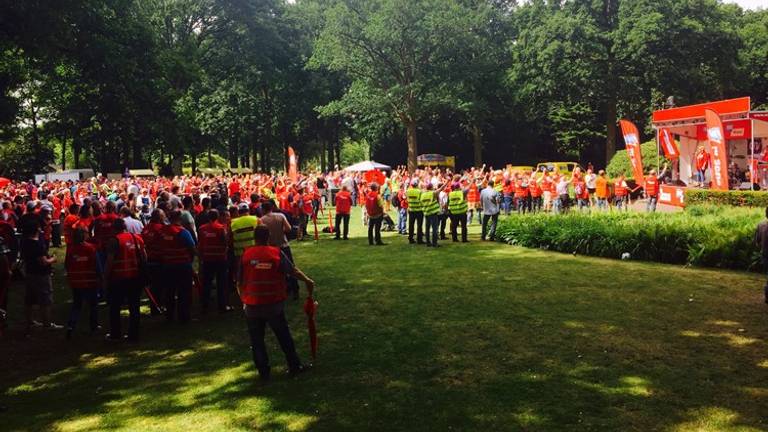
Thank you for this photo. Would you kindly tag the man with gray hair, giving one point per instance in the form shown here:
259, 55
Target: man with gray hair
490, 199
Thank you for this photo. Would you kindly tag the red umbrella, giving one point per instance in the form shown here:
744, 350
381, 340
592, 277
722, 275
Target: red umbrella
375, 176
4, 181
310, 307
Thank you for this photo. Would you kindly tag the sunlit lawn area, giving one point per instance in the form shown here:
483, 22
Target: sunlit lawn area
481, 336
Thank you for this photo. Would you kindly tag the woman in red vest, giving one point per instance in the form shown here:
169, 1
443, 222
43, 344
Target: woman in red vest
84, 276
263, 291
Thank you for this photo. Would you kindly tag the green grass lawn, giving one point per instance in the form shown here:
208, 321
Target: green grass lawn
481, 336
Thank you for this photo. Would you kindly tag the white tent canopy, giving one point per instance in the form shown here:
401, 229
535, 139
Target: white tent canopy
367, 166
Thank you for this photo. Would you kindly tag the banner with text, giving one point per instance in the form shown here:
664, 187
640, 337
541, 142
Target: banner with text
717, 150
632, 142
668, 144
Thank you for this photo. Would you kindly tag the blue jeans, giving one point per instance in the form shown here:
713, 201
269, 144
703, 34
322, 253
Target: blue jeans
506, 204
602, 204
402, 221
556, 205
621, 202
490, 232
651, 204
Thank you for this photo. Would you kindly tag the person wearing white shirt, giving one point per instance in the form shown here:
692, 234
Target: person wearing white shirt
132, 225
591, 180
560, 203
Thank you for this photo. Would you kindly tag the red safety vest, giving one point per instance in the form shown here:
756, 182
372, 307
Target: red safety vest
263, 283
103, 229
174, 252
343, 203
535, 189
372, 204
152, 236
212, 239
81, 266
520, 191
126, 262
619, 189
473, 195
583, 192
651, 186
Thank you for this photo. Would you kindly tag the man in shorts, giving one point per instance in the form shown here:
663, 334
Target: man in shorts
38, 285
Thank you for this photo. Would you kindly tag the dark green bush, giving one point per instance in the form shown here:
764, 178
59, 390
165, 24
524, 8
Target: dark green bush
729, 198
701, 236
619, 163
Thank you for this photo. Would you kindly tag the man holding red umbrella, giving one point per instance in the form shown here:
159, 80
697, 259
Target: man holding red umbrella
263, 291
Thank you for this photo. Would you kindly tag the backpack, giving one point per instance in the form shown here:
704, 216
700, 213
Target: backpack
396, 200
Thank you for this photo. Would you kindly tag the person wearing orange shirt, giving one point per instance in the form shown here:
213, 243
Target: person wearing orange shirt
601, 191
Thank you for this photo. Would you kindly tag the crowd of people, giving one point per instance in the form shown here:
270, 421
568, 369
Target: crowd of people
134, 236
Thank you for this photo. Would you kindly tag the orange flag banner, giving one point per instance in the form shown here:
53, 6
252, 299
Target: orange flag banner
668, 144
632, 142
293, 165
717, 150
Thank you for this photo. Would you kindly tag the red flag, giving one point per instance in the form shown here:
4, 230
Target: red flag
293, 165
375, 176
668, 144
632, 141
717, 151
310, 307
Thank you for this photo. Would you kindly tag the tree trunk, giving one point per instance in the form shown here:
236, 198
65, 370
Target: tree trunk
63, 151
284, 136
477, 145
323, 160
76, 152
193, 158
413, 150
610, 123
210, 156
233, 154
138, 158
255, 154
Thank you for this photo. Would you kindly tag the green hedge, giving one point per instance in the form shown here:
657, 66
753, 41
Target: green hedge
619, 163
702, 236
729, 198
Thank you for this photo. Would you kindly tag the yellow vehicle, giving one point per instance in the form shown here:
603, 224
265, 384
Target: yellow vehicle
563, 168
522, 169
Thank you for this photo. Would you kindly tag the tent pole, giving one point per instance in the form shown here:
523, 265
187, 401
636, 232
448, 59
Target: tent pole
752, 140
658, 150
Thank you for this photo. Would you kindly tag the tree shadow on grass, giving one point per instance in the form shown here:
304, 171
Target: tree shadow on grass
496, 339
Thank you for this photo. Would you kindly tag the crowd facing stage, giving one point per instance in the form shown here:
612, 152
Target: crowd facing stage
163, 237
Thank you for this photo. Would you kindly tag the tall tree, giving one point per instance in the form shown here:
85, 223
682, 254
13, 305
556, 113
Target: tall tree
398, 54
